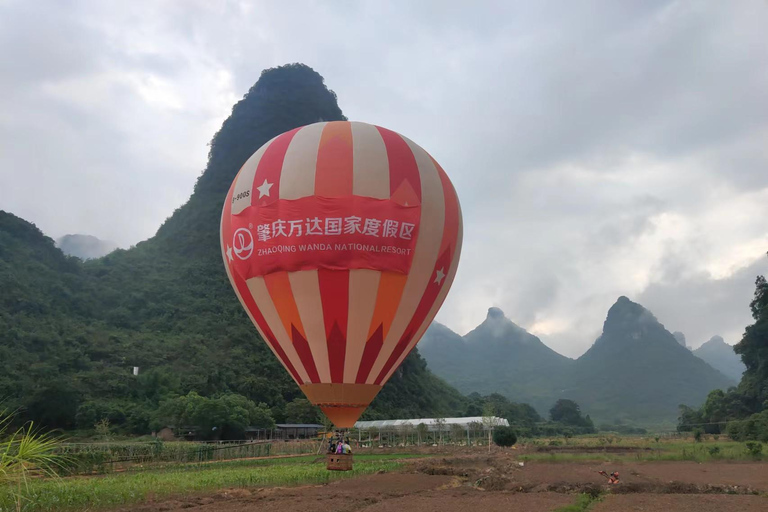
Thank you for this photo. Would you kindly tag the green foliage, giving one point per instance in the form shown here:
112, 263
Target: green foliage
741, 412
300, 410
697, 434
568, 413
102, 492
754, 448
23, 452
223, 417
583, 502
504, 436
753, 349
71, 331
103, 429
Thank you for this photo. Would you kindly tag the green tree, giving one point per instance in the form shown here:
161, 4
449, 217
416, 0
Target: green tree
753, 349
301, 410
567, 412
422, 430
504, 436
224, 417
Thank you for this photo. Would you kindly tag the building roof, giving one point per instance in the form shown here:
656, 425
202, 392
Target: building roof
298, 425
430, 422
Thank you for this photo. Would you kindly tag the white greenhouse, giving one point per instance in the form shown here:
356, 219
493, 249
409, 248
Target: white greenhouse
434, 424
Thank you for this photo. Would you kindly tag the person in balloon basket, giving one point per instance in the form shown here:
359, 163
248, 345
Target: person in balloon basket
346, 449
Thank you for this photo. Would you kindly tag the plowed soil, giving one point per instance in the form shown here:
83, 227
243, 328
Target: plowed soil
498, 482
682, 503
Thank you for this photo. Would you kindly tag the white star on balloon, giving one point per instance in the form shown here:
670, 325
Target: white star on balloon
440, 275
264, 189
229, 253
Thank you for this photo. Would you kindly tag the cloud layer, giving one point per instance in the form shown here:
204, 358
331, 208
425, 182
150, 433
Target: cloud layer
599, 149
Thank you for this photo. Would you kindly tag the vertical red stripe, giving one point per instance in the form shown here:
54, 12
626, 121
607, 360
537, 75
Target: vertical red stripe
371, 352
305, 354
402, 163
269, 170
443, 264
333, 178
334, 291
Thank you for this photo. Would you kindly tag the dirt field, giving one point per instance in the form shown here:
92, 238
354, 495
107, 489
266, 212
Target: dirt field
499, 483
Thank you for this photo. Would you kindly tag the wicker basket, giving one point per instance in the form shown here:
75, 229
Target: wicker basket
339, 462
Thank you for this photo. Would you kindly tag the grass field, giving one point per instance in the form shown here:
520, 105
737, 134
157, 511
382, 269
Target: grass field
98, 492
637, 449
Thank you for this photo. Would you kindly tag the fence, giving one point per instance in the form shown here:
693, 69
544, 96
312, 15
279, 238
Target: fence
105, 457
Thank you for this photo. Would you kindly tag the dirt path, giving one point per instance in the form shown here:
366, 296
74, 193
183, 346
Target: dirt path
395, 492
681, 503
499, 483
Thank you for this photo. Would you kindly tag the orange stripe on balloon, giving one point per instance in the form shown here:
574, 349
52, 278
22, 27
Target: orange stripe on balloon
333, 174
244, 294
436, 283
391, 287
266, 180
279, 287
333, 178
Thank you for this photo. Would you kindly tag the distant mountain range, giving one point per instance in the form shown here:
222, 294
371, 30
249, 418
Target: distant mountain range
635, 371
721, 356
85, 247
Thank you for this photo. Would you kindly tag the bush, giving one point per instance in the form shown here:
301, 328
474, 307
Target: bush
504, 436
697, 434
754, 449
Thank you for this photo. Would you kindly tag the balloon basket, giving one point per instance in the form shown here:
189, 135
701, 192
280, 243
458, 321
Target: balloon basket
339, 462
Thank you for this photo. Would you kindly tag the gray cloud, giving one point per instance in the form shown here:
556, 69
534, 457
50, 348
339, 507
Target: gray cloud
599, 148
702, 307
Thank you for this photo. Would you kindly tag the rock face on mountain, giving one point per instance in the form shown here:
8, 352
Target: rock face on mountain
85, 247
497, 356
680, 337
635, 371
721, 356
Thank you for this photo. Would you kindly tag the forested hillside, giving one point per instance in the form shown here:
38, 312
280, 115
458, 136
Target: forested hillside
496, 357
71, 332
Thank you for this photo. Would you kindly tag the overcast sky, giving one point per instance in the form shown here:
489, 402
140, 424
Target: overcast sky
599, 148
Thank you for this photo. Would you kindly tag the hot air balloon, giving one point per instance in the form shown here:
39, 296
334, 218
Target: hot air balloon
341, 240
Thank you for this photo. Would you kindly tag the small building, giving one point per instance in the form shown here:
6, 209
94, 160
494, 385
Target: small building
258, 434
297, 430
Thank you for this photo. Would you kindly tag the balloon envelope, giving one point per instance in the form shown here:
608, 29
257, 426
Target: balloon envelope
341, 240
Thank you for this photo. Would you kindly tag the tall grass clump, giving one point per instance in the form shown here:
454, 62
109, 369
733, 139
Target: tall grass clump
25, 452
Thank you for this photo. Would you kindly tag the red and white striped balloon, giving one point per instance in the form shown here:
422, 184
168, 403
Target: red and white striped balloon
341, 240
